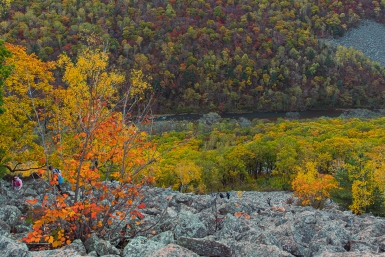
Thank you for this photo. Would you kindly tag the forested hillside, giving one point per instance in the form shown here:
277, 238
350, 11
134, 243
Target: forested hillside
228, 55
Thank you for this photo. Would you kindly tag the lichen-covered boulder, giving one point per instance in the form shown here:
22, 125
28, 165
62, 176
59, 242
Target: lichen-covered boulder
102, 247
205, 246
189, 225
233, 227
23, 229
55, 253
173, 250
332, 233
165, 238
29, 192
10, 214
141, 246
304, 226
76, 245
247, 249
5, 229
11, 248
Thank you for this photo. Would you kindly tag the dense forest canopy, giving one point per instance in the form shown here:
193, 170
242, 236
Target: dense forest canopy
228, 55
282, 155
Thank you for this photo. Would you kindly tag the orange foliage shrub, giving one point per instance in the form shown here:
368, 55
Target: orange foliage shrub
310, 186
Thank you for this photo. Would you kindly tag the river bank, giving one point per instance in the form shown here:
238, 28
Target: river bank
273, 116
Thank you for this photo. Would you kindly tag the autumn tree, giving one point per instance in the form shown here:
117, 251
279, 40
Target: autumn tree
310, 186
27, 95
93, 141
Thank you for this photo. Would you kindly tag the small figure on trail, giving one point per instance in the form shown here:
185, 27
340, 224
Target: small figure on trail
17, 184
221, 195
57, 177
228, 195
268, 201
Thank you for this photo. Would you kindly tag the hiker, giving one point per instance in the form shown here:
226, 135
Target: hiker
57, 177
228, 195
221, 195
17, 184
268, 201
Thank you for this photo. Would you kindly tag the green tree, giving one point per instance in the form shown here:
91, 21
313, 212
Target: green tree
5, 71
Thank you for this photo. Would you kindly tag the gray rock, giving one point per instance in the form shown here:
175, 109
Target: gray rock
333, 233
23, 229
186, 208
212, 223
267, 238
164, 238
93, 254
330, 253
247, 249
183, 198
170, 213
18, 236
173, 250
91, 242
202, 203
105, 248
234, 206
78, 246
3, 199
151, 211
141, 246
188, 224
56, 252
361, 246
11, 248
233, 227
380, 242
330, 250
304, 226
291, 246
101, 246
30, 193
10, 214
205, 247
5, 229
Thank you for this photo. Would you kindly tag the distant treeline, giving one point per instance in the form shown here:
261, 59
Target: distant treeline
227, 55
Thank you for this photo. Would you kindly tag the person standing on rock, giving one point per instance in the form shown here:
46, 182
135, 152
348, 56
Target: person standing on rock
268, 201
17, 184
228, 195
57, 178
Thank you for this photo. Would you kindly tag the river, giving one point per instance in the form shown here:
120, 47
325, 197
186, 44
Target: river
256, 115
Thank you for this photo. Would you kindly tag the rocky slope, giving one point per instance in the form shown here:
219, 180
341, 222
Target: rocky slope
190, 225
368, 37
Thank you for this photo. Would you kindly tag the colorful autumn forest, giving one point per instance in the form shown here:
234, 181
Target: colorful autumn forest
80, 79
228, 55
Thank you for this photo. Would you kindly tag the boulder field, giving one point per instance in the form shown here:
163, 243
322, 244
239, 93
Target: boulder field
179, 224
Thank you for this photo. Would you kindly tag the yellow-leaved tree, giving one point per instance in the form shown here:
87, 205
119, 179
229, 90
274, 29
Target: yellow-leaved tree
28, 104
186, 172
311, 187
361, 171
